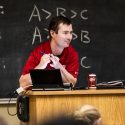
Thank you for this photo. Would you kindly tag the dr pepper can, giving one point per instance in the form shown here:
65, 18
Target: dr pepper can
92, 81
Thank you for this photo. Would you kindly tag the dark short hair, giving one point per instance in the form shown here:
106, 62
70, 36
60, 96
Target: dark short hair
54, 23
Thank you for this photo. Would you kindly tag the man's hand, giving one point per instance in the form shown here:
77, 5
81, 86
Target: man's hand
55, 61
45, 59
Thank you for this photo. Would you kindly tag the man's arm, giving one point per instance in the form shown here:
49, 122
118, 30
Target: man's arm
66, 76
26, 79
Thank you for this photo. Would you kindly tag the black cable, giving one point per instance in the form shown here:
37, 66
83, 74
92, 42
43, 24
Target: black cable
8, 105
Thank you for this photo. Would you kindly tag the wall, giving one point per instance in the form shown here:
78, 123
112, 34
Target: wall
11, 120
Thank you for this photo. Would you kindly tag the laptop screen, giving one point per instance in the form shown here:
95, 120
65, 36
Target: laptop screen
45, 78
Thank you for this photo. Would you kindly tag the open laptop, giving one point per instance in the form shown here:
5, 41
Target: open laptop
45, 79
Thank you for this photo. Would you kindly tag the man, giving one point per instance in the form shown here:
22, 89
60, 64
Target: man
56, 53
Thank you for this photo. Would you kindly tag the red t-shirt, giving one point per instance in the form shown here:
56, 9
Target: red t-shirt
68, 58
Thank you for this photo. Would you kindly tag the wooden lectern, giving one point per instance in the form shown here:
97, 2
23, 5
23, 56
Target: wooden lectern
47, 104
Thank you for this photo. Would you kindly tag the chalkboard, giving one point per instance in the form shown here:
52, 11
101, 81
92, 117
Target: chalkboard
98, 36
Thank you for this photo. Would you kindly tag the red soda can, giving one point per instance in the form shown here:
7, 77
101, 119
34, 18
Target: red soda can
92, 81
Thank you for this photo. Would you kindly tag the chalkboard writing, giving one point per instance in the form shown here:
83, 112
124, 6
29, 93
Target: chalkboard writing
35, 14
98, 36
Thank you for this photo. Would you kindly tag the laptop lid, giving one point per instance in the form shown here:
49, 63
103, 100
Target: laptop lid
45, 78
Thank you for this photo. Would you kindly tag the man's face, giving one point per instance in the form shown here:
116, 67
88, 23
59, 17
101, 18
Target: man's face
64, 35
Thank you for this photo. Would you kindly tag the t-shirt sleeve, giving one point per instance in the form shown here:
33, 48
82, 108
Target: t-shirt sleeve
32, 61
73, 63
